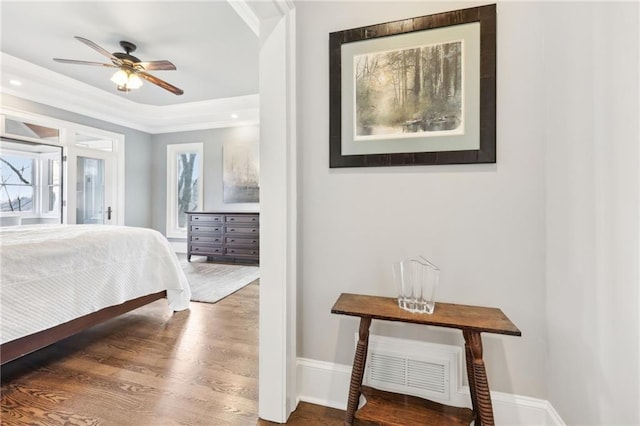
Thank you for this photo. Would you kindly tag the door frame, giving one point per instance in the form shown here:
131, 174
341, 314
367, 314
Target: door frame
278, 212
116, 155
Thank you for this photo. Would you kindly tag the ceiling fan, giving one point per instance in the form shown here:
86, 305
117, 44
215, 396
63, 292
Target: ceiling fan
130, 68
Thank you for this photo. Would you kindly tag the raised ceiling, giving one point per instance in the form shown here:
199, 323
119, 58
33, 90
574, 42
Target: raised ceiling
214, 50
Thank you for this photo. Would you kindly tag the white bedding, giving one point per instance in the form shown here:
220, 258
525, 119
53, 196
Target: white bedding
51, 274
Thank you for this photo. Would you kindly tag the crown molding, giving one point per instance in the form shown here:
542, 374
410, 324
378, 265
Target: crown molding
285, 6
50, 88
247, 14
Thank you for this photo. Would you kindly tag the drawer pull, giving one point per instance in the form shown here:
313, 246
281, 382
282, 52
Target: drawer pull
233, 241
232, 218
196, 228
197, 238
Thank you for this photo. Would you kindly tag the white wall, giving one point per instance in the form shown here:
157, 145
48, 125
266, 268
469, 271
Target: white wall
482, 224
592, 137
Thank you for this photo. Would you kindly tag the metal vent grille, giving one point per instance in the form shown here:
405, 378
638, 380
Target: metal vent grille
422, 370
428, 376
388, 369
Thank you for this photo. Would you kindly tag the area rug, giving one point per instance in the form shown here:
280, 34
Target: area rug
211, 282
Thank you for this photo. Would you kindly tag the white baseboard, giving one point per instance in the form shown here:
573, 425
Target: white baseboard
179, 246
327, 384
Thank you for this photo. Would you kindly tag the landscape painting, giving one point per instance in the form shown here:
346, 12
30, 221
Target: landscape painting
241, 172
417, 91
413, 92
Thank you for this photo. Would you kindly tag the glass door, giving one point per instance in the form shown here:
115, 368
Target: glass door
92, 195
90, 191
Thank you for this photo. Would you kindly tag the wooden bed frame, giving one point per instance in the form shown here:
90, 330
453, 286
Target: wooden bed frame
27, 344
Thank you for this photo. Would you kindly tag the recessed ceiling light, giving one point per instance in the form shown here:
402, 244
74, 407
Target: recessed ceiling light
234, 115
15, 82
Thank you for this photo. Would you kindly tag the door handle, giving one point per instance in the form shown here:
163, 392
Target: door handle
109, 213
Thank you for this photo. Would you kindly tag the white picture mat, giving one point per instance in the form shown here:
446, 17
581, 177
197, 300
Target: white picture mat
468, 140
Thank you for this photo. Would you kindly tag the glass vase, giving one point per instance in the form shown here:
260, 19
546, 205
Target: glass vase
416, 282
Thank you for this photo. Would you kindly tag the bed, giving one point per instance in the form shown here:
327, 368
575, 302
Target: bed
56, 280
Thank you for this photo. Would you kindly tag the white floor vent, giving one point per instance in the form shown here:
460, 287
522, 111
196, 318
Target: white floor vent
416, 368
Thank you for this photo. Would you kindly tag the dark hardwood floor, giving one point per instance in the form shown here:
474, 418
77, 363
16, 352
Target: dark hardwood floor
151, 367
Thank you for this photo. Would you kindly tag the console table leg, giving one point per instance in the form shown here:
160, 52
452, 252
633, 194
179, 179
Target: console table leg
478, 383
470, 374
358, 370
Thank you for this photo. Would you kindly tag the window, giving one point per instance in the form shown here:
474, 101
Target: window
90, 190
29, 130
184, 185
30, 179
17, 182
51, 187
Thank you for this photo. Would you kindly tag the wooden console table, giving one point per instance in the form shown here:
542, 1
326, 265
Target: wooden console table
394, 409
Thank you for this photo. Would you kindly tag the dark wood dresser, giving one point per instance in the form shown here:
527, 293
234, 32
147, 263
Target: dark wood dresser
224, 236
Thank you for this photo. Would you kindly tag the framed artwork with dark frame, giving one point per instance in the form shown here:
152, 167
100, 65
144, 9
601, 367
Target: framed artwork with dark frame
419, 91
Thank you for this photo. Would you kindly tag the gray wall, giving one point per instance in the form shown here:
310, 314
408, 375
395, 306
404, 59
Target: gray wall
511, 235
483, 225
137, 157
213, 140
146, 163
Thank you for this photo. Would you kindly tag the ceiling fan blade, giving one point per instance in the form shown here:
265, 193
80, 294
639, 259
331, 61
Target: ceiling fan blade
73, 61
158, 65
158, 82
99, 49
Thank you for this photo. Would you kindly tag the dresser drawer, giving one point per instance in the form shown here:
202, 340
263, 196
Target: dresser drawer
204, 249
208, 219
241, 219
201, 239
206, 229
233, 230
233, 241
241, 251
226, 236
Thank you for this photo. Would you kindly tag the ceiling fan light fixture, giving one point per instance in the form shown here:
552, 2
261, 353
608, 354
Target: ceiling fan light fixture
120, 77
126, 80
134, 81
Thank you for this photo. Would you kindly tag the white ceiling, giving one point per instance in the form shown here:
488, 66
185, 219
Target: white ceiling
213, 48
